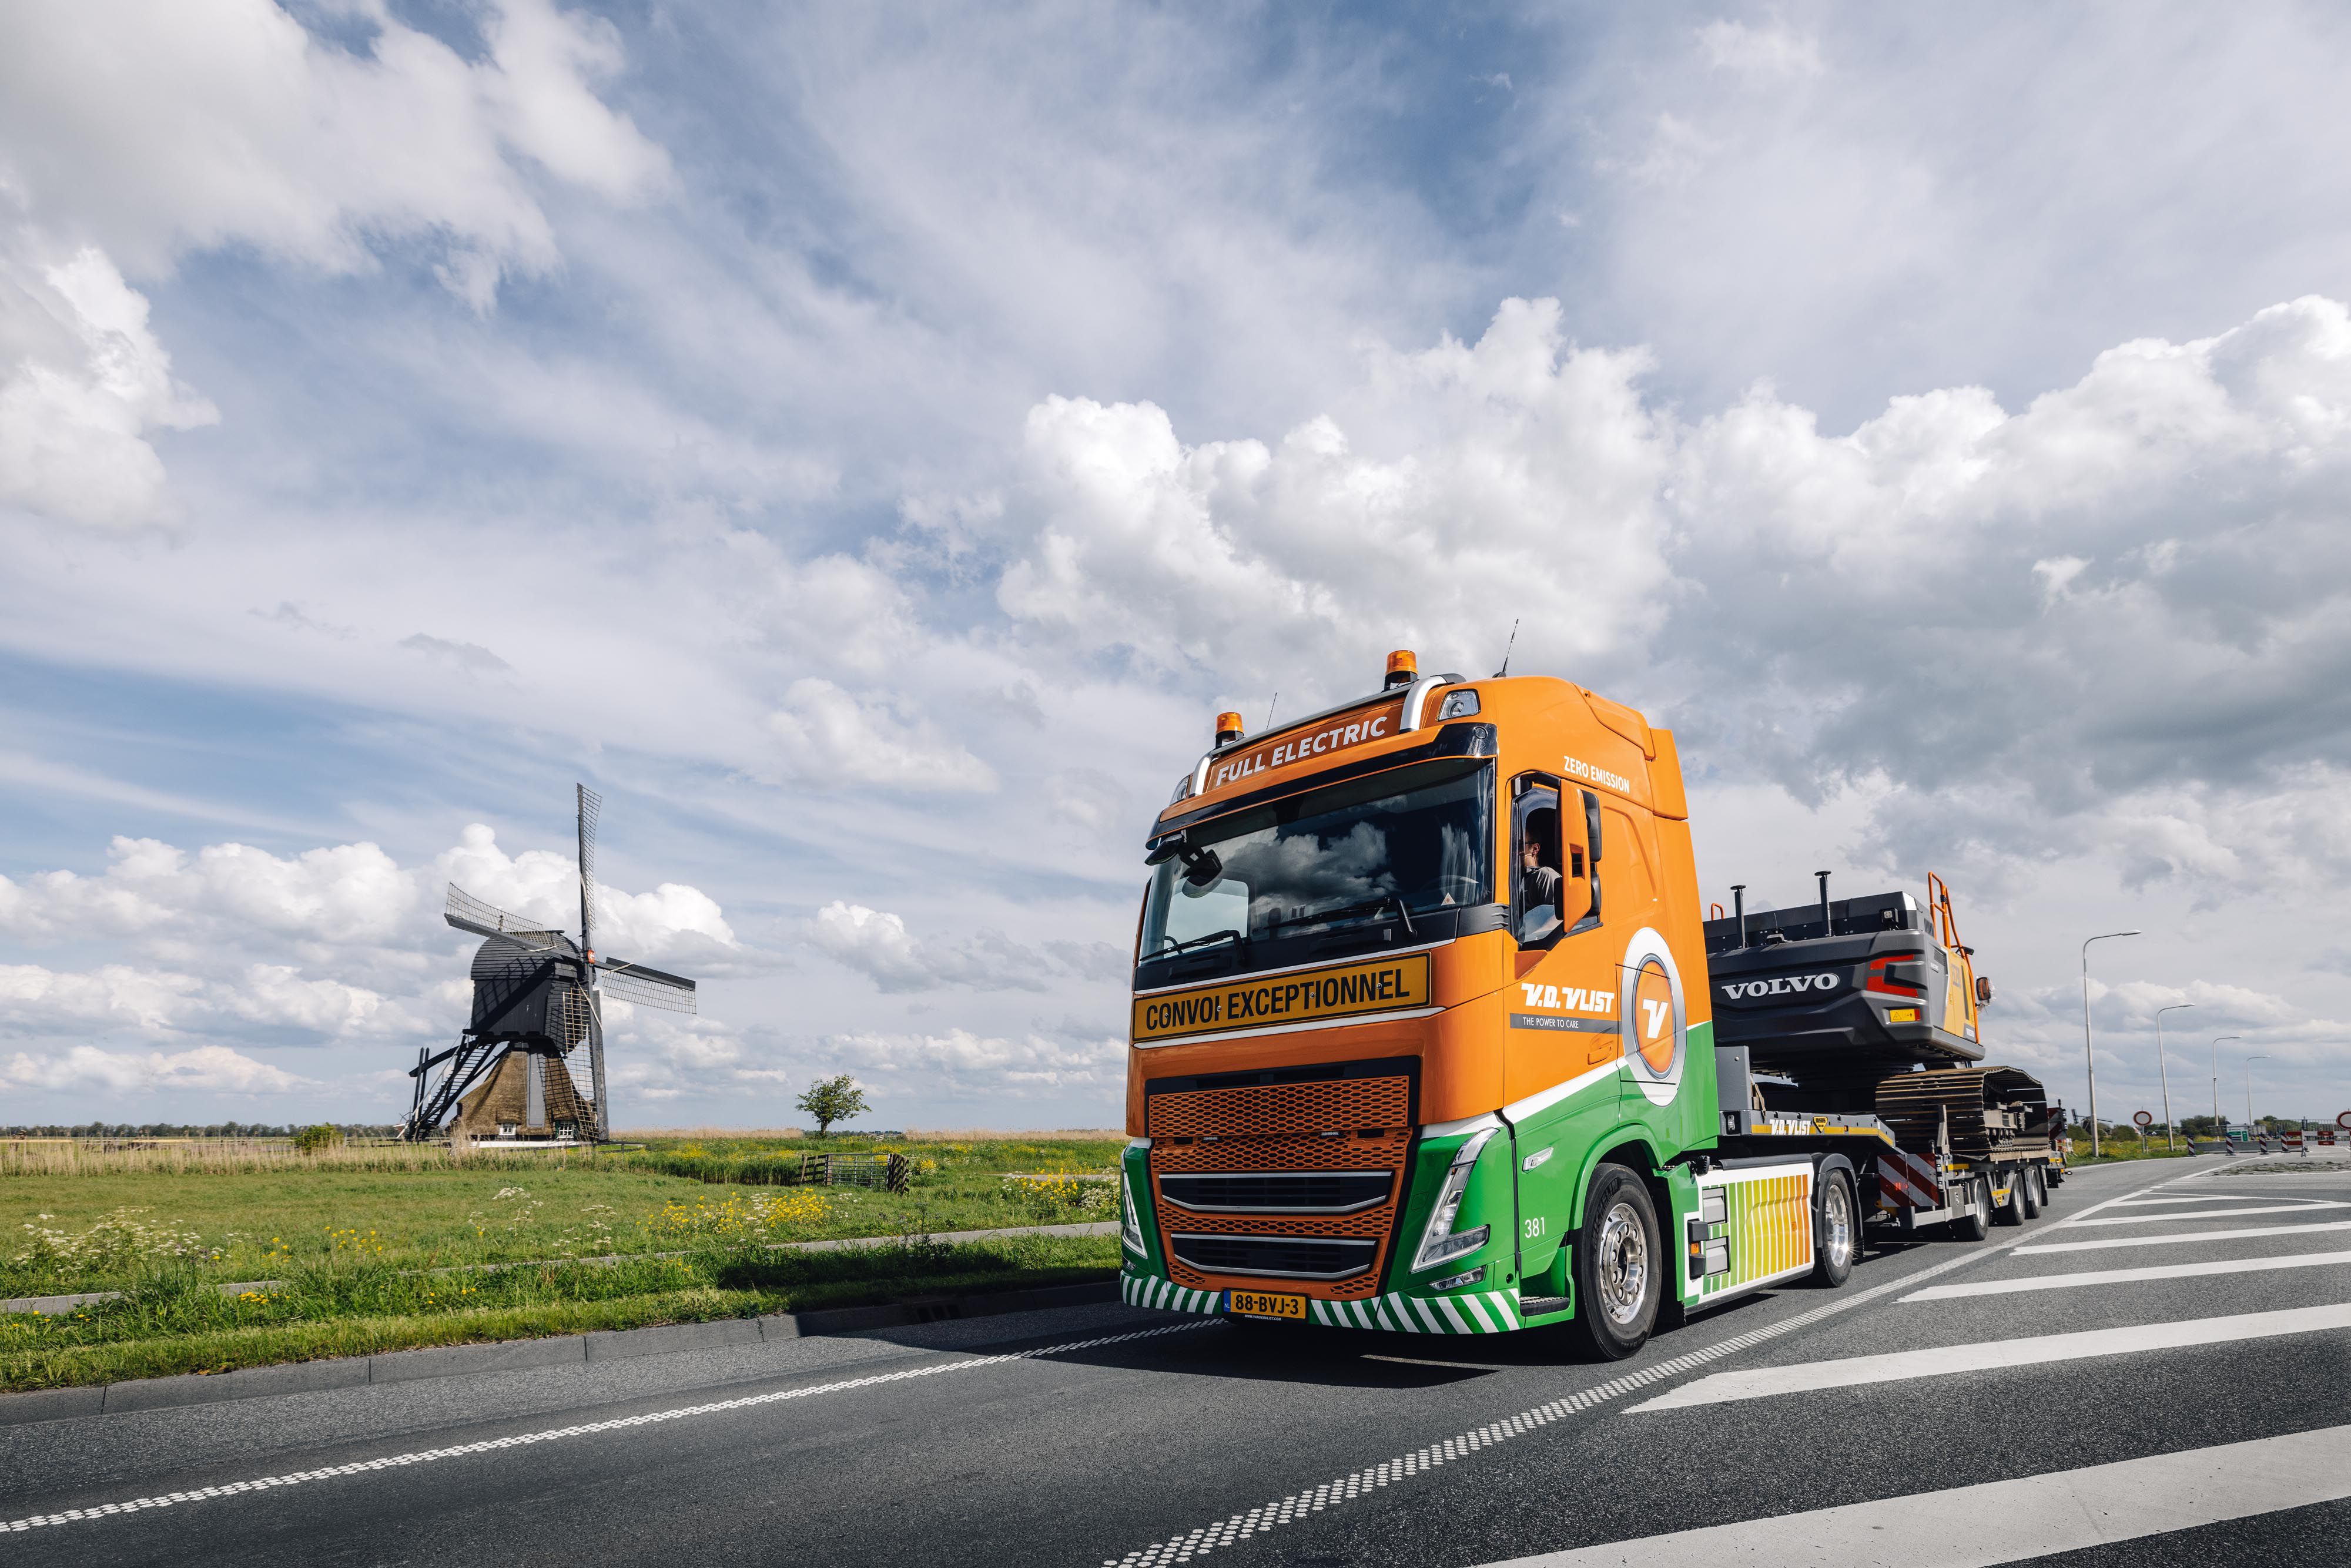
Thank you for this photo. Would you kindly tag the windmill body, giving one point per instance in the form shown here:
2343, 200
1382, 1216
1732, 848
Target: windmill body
538, 995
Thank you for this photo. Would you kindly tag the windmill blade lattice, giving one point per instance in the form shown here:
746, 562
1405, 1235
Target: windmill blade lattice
646, 987
468, 913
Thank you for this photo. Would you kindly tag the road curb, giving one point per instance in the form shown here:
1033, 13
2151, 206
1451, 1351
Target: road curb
524, 1354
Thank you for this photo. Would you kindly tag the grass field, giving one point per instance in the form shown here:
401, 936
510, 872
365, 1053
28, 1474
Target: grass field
380, 1249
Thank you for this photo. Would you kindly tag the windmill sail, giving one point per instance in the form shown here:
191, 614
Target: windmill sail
646, 987
468, 913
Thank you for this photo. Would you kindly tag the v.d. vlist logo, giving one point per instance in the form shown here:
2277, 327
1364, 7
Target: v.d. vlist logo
1786, 984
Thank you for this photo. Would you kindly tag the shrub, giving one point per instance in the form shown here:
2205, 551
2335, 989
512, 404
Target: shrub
310, 1140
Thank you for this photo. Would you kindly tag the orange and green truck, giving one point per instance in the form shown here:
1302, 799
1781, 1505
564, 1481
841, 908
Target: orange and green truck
1431, 1034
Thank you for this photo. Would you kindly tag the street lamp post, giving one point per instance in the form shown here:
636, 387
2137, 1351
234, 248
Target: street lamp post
2170, 1133
2216, 1076
2249, 1090
2088, 1061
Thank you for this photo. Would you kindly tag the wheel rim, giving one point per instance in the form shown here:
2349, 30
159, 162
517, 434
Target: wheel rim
1623, 1264
1836, 1225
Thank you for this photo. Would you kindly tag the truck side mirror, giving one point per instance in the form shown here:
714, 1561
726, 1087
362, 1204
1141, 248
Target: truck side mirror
1983, 991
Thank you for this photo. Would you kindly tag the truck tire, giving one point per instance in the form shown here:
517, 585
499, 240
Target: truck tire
1975, 1223
1619, 1266
2012, 1211
1836, 1228
2041, 1187
2055, 1176
2027, 1191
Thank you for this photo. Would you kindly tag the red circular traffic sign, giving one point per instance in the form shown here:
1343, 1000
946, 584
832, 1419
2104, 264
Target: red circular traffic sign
2343, 1120
2143, 1120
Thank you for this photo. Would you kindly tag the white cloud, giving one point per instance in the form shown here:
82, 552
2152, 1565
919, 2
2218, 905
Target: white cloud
82, 382
1026, 1065
156, 127
671, 922
1517, 475
828, 737
877, 945
1767, 52
208, 1068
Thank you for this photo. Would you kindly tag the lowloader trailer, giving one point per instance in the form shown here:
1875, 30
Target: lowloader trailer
1429, 1035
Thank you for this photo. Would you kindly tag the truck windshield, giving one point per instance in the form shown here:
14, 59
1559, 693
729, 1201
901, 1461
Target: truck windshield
1395, 847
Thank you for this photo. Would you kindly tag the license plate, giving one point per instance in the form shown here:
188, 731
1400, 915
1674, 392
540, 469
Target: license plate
1263, 1304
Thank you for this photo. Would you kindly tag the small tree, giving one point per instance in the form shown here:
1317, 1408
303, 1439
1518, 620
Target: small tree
310, 1140
831, 1100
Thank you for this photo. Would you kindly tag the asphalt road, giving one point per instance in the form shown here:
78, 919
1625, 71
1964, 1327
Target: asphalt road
2157, 1371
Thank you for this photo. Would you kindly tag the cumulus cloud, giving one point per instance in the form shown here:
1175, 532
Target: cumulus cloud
82, 382
877, 945
156, 128
1017, 1066
208, 1068
1517, 475
134, 131
826, 736
671, 922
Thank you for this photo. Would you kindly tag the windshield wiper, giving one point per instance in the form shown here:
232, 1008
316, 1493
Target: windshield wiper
1173, 947
1370, 909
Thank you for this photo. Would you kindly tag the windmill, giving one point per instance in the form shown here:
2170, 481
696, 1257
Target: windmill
538, 997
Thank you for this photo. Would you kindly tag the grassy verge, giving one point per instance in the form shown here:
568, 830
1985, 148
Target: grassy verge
171, 1319
67, 1227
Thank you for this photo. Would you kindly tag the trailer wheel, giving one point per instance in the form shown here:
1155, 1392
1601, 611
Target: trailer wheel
2012, 1211
2027, 1191
2041, 1187
1836, 1228
1975, 1224
1617, 1266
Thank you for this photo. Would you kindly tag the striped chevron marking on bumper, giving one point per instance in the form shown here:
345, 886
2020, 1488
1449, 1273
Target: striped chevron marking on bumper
1169, 1296
1472, 1311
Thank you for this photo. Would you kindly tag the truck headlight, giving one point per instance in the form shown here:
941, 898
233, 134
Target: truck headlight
1440, 1243
1130, 1227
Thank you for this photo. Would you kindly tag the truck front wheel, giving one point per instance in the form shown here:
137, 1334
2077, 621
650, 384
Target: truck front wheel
1618, 1265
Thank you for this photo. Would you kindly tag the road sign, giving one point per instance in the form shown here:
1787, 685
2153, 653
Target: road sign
2343, 1120
2144, 1121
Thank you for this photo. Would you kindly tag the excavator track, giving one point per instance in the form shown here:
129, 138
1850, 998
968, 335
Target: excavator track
1969, 1112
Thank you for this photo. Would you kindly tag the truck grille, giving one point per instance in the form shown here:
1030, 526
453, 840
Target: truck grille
1281, 1179
1280, 1192
1275, 1257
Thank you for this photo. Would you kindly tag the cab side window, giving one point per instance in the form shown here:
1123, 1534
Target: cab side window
1541, 882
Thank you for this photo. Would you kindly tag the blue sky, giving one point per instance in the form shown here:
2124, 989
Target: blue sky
869, 444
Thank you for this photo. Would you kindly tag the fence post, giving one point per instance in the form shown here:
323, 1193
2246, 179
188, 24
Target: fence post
894, 1177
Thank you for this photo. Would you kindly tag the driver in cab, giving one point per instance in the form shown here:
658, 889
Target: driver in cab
1537, 911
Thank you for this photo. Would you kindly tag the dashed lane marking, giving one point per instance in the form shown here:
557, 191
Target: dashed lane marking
525, 1439
2241, 1233
2064, 1511
2128, 1276
1988, 1355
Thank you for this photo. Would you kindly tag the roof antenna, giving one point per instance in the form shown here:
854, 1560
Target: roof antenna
1269, 710
1506, 650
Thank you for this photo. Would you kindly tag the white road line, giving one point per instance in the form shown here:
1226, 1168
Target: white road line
1762, 1382
2186, 1235
524, 1440
2128, 1276
2205, 1214
2066, 1510
2198, 1197
1422, 1361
